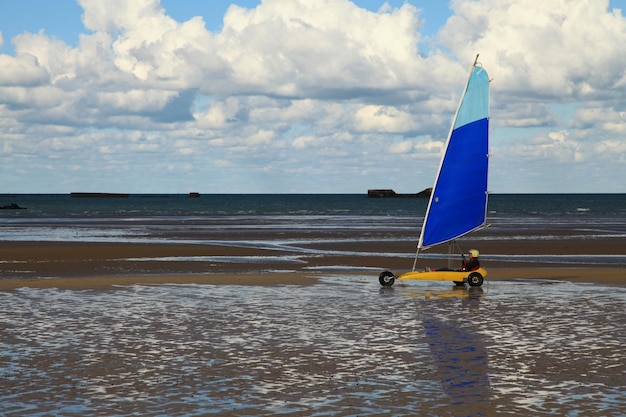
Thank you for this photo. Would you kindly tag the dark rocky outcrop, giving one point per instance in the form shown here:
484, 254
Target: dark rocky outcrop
12, 206
389, 193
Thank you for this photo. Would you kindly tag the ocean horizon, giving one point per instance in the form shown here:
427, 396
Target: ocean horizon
65, 205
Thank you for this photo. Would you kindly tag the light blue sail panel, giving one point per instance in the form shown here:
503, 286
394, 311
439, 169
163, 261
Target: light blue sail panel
475, 102
459, 199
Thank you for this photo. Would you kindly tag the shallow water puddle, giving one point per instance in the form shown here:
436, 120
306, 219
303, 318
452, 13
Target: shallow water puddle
345, 346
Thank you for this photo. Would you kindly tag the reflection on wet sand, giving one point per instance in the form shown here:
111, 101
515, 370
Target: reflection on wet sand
461, 361
472, 295
457, 350
339, 347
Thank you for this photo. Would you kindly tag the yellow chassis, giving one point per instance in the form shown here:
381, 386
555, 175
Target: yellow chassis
473, 278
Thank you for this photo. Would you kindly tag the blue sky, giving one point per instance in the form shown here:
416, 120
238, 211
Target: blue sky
296, 96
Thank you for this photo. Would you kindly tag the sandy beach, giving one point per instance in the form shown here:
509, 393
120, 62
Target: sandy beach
341, 346
276, 320
97, 264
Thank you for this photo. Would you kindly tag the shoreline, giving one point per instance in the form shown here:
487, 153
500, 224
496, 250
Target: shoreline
605, 276
89, 265
93, 283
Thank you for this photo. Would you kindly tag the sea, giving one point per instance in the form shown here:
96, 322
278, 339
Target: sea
512, 206
342, 346
180, 218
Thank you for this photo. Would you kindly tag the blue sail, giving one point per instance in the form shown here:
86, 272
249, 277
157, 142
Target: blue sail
458, 203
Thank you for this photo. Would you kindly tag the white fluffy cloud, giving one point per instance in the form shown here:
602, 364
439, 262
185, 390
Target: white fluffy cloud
293, 85
562, 49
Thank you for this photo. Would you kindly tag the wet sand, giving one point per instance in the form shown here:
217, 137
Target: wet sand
279, 323
91, 265
343, 346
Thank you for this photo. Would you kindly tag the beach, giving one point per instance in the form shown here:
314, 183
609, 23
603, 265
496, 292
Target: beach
242, 261
340, 345
284, 315
176, 238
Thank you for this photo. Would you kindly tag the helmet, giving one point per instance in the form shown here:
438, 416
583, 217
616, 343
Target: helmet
474, 253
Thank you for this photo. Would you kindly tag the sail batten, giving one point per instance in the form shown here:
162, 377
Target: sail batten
458, 202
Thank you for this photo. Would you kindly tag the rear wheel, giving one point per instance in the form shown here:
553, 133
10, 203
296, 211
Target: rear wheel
386, 278
475, 279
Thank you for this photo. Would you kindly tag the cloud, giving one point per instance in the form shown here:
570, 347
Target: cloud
297, 85
401, 147
383, 119
559, 46
303, 141
21, 71
313, 49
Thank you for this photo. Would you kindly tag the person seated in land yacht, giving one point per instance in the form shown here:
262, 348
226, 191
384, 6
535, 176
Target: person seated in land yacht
472, 264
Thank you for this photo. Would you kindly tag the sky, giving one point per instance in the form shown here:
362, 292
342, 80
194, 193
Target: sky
305, 96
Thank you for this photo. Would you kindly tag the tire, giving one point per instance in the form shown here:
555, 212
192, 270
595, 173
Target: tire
475, 279
386, 278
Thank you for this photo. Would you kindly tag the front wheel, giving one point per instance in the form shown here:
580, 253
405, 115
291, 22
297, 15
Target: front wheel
475, 279
386, 278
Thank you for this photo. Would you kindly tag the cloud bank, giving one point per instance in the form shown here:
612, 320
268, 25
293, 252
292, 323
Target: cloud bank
324, 96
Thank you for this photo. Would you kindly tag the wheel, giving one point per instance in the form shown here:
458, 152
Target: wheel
386, 278
459, 283
475, 279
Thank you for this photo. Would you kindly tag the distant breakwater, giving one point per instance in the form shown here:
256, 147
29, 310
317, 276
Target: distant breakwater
115, 195
99, 195
389, 193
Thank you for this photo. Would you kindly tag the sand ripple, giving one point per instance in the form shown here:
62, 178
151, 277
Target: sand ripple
341, 347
